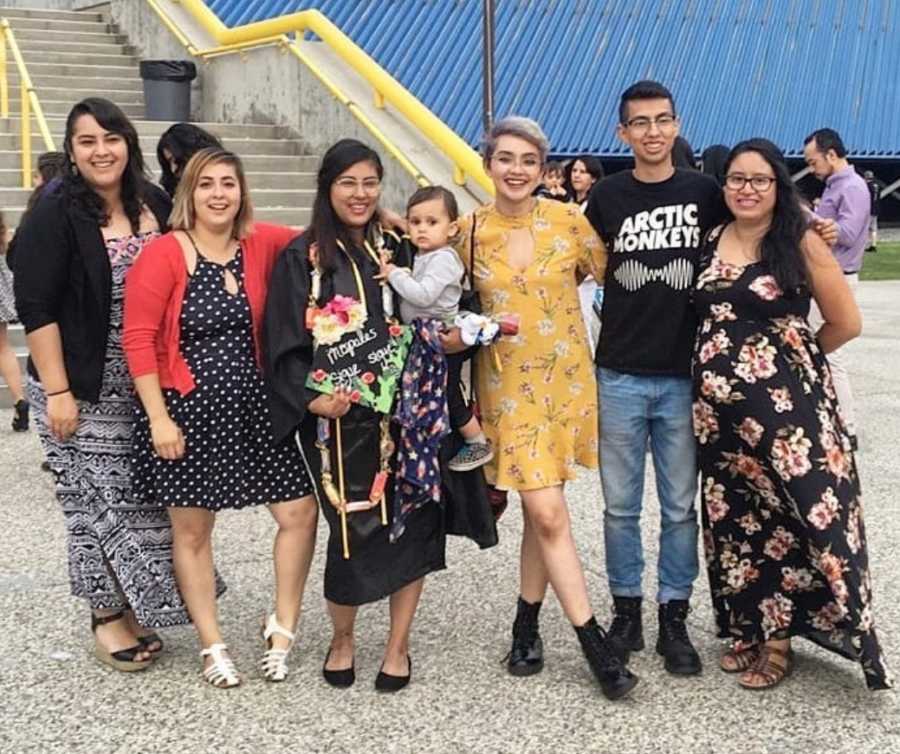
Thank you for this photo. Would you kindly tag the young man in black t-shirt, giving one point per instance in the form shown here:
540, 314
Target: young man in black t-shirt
652, 220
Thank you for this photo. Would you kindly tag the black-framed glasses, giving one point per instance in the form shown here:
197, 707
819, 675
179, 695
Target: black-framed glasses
641, 124
759, 183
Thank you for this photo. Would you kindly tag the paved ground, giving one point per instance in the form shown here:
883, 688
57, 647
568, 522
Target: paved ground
54, 697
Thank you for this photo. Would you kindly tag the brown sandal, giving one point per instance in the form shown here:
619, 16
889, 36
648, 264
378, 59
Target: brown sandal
771, 668
739, 661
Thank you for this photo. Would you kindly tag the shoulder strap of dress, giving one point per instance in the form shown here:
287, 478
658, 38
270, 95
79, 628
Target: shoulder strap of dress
708, 245
470, 271
194, 244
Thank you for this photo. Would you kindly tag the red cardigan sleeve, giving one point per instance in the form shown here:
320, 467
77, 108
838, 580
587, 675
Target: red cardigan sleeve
148, 289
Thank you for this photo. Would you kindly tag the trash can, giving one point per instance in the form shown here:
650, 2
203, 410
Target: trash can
167, 88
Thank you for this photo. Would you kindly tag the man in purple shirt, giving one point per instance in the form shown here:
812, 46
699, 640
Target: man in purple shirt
845, 200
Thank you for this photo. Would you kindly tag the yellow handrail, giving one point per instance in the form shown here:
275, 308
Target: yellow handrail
466, 161
30, 102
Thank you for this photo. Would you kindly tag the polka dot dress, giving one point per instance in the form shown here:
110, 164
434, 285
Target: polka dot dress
230, 460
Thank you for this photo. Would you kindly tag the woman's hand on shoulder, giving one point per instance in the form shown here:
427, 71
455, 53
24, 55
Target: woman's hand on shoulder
168, 439
332, 406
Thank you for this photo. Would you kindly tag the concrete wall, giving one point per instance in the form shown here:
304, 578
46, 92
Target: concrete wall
262, 86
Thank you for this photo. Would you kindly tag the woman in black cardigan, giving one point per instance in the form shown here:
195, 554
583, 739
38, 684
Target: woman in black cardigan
74, 249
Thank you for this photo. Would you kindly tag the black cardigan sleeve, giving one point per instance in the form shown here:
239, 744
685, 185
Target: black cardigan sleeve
43, 255
287, 344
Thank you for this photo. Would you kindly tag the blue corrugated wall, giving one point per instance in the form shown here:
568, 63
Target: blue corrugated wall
738, 68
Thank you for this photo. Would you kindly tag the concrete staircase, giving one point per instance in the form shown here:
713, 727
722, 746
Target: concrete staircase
71, 55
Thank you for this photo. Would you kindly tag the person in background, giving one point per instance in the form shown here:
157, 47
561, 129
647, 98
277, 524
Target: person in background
683, 154
9, 364
75, 247
536, 390
847, 201
203, 444
581, 174
176, 146
874, 208
712, 162
783, 523
553, 183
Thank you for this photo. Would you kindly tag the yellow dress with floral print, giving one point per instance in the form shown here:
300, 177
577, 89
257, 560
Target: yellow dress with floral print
539, 409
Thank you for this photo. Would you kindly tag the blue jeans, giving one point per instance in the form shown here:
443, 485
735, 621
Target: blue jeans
634, 409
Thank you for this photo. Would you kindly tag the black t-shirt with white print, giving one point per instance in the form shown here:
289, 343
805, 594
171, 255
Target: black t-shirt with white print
652, 232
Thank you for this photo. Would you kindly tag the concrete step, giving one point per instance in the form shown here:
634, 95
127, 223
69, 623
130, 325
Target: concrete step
156, 127
11, 178
94, 25
254, 163
300, 181
74, 57
56, 47
284, 215
76, 72
263, 196
98, 83
73, 95
16, 335
50, 14
56, 107
241, 146
25, 36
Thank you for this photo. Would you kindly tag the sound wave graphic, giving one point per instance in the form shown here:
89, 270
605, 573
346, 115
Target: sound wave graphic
633, 275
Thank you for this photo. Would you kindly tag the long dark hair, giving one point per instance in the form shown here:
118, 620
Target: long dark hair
713, 159
134, 179
591, 163
182, 141
326, 229
781, 246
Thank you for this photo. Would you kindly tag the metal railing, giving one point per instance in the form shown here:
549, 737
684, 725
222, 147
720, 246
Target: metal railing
466, 161
29, 99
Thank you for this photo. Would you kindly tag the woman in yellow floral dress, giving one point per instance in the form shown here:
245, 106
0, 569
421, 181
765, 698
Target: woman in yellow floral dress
539, 406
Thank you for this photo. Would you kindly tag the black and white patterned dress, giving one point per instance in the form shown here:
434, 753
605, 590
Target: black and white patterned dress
119, 551
7, 299
230, 458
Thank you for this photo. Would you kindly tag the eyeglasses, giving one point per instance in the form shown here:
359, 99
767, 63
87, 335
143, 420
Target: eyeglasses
759, 183
642, 125
350, 185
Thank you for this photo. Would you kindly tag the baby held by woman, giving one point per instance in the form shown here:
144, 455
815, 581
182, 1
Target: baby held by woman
431, 290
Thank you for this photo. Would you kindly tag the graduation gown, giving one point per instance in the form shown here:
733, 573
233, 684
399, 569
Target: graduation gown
376, 568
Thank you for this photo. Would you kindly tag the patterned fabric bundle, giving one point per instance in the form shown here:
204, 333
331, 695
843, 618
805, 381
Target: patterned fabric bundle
422, 415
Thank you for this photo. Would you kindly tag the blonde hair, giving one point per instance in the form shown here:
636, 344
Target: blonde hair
184, 215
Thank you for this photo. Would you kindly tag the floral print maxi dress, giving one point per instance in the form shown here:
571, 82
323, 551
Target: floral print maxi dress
539, 408
782, 515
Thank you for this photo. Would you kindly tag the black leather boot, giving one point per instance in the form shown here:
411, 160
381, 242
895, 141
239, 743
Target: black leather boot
615, 679
526, 657
626, 634
673, 643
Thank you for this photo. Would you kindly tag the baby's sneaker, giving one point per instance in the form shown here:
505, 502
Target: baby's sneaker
471, 456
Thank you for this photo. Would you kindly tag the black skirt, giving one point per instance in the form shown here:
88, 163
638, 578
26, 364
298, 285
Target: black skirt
376, 567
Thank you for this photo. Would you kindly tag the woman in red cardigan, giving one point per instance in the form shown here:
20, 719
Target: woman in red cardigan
204, 443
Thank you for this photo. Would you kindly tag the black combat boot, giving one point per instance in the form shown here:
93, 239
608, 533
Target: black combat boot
526, 657
615, 679
626, 634
673, 643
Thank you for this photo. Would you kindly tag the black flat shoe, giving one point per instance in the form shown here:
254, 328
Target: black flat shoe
391, 683
340, 679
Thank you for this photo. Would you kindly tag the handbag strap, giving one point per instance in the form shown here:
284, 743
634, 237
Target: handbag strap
470, 272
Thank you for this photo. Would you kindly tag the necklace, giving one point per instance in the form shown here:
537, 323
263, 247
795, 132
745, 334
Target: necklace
337, 494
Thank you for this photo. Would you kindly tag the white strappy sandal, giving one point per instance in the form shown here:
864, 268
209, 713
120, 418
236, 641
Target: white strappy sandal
274, 661
221, 673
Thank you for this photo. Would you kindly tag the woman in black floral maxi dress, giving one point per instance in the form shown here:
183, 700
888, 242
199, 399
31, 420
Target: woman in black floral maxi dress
782, 515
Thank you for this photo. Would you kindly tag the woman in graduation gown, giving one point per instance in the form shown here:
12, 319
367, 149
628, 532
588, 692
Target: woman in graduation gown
346, 240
